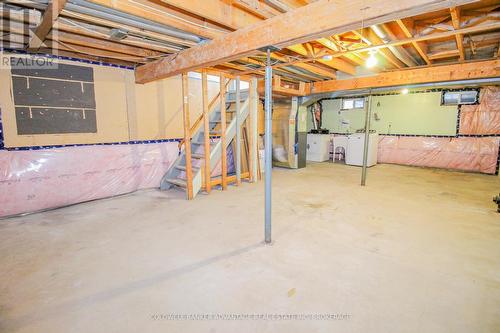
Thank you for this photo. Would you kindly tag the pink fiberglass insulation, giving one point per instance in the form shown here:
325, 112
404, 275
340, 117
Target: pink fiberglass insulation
483, 118
463, 153
33, 180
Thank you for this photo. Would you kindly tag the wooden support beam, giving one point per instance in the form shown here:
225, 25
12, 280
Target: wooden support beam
385, 52
153, 12
444, 54
229, 179
289, 70
62, 25
434, 36
455, 19
335, 63
97, 43
218, 11
313, 21
356, 52
187, 136
223, 121
419, 46
131, 29
429, 74
85, 50
50, 16
256, 8
308, 67
281, 87
206, 130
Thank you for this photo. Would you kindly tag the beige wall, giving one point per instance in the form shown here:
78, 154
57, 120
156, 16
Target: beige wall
157, 111
125, 111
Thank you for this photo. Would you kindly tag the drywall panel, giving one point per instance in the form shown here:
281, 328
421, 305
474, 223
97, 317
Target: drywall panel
417, 114
111, 111
157, 110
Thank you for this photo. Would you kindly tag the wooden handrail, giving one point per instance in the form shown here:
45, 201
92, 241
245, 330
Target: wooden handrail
199, 120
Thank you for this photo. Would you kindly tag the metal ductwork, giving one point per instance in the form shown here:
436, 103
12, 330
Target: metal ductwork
398, 51
105, 13
465, 24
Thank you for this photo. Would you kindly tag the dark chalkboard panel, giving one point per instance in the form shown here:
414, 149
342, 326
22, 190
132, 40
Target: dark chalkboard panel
54, 101
63, 71
55, 93
55, 121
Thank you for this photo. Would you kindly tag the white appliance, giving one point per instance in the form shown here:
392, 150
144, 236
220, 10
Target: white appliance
355, 145
318, 147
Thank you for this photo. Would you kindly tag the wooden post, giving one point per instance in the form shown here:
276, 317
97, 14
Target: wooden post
237, 158
206, 129
253, 155
187, 136
223, 130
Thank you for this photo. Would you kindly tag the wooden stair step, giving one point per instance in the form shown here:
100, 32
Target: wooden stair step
183, 167
178, 182
196, 155
201, 143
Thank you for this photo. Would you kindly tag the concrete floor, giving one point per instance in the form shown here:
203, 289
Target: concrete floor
417, 250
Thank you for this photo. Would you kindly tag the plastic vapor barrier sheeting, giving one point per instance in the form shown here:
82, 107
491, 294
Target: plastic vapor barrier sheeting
483, 118
462, 153
33, 180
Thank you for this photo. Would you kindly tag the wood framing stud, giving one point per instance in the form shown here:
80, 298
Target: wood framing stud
310, 22
465, 71
237, 158
187, 136
419, 46
50, 16
223, 122
455, 19
206, 129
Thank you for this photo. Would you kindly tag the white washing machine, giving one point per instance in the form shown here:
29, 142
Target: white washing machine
355, 146
318, 147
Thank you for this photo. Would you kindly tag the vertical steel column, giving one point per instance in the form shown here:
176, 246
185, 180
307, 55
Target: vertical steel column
368, 117
268, 145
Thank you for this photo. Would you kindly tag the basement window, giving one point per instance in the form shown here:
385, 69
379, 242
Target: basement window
459, 97
353, 103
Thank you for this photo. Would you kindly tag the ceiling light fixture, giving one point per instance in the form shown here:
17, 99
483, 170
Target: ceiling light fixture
404, 91
371, 61
327, 57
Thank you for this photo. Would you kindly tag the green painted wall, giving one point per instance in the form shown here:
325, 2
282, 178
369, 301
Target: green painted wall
417, 113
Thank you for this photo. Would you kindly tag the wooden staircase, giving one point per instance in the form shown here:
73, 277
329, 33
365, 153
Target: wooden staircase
212, 133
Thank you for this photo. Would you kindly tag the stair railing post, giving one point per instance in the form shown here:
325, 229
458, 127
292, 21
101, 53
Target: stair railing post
206, 129
237, 159
187, 136
223, 131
